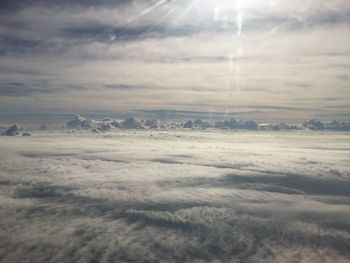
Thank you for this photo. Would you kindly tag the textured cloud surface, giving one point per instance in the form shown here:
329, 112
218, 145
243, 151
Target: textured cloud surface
181, 196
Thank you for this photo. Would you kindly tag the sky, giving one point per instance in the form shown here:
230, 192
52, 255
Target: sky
263, 60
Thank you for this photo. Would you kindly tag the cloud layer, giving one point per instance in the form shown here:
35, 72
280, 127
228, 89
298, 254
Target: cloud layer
275, 57
180, 196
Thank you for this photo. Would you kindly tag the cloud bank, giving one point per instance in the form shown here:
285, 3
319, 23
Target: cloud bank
205, 197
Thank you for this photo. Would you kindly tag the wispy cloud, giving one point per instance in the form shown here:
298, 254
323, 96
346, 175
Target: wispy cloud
20, 89
286, 52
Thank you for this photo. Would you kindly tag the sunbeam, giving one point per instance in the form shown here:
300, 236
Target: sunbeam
174, 131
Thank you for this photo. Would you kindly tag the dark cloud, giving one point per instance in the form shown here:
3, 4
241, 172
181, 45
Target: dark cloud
125, 87
296, 21
20, 89
180, 114
110, 33
12, 5
87, 30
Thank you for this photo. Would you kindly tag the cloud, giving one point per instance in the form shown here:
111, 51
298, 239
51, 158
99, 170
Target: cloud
187, 53
111, 198
20, 89
17, 4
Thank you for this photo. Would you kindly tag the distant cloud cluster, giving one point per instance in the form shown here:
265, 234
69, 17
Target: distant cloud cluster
177, 196
333, 125
109, 124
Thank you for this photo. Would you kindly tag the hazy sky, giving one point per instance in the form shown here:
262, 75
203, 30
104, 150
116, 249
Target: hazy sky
272, 59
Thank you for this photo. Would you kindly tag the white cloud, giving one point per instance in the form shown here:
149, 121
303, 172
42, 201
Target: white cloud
180, 195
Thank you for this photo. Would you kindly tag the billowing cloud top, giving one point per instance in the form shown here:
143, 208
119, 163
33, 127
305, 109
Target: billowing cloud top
259, 59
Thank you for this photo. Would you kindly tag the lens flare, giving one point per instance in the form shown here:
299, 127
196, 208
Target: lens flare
239, 20
239, 23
